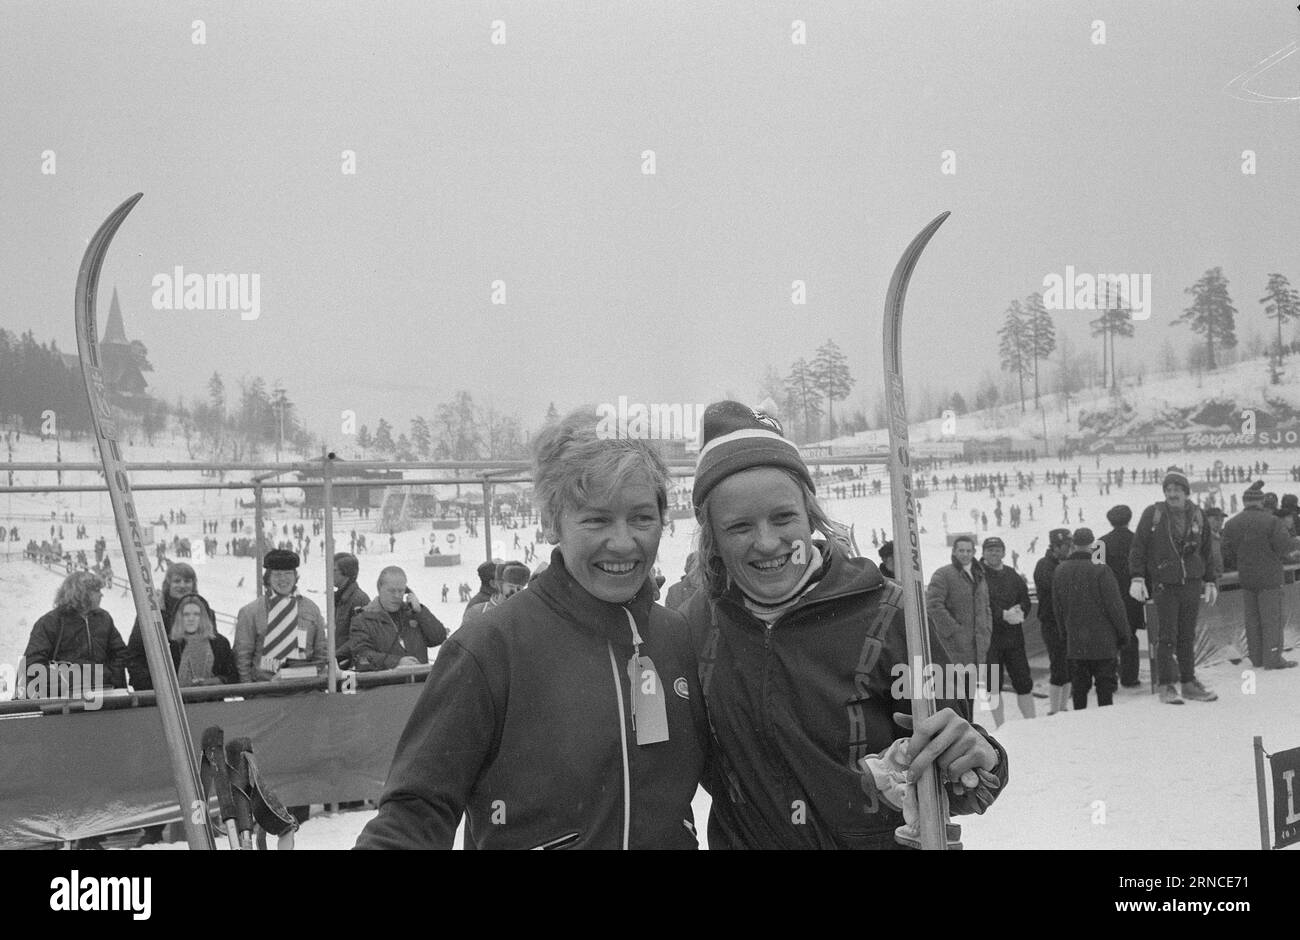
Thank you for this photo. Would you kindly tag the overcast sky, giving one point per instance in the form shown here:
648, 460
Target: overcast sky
522, 163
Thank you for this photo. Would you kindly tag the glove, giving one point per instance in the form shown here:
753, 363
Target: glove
1138, 591
1211, 593
1013, 615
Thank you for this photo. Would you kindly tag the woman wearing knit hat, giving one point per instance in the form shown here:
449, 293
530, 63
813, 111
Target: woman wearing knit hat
569, 716
797, 645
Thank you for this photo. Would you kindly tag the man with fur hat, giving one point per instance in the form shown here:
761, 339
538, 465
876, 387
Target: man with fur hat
1090, 612
1058, 691
280, 624
511, 577
1119, 542
1259, 542
1172, 562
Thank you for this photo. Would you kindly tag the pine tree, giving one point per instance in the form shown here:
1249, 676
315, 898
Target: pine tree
830, 372
421, 437
1041, 333
1212, 314
1014, 346
364, 440
1281, 303
1116, 320
384, 438
801, 387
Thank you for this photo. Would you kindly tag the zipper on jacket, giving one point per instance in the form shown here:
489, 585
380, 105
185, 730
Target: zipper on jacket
622, 734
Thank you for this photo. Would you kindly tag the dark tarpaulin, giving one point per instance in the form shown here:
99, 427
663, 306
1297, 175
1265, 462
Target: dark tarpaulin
69, 776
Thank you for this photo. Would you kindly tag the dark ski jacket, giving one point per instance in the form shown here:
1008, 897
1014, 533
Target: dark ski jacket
1089, 608
347, 599
1257, 542
1043, 572
794, 705
377, 644
1157, 558
137, 663
1007, 588
223, 658
1119, 543
525, 725
65, 636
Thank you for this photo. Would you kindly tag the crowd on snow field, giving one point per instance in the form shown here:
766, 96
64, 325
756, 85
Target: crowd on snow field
572, 708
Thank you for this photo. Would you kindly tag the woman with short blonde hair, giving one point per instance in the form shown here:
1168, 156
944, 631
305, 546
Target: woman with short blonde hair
603, 742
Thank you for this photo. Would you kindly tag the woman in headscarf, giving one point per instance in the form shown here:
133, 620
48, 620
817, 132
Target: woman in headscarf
568, 716
803, 661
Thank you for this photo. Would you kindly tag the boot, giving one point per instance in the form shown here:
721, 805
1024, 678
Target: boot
1169, 695
1196, 692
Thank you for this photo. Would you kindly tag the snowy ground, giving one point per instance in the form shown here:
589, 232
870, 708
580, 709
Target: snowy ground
1136, 775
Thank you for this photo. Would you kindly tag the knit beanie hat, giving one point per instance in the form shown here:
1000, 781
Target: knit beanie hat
1254, 493
1119, 515
1083, 537
1175, 476
736, 437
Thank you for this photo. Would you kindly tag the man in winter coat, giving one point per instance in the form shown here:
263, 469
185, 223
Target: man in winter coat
1119, 542
487, 572
348, 598
1009, 605
395, 629
1172, 561
957, 601
1089, 609
511, 578
1258, 542
280, 625
1058, 690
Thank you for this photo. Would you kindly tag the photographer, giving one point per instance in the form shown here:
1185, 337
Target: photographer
394, 629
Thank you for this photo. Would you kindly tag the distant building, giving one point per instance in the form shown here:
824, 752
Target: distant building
123, 361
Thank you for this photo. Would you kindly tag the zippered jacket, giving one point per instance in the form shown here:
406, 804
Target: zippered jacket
525, 725
795, 705
65, 636
376, 642
1156, 557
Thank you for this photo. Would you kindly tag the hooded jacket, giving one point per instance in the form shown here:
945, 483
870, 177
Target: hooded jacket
1089, 607
377, 643
1156, 557
63, 635
794, 706
958, 605
525, 725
